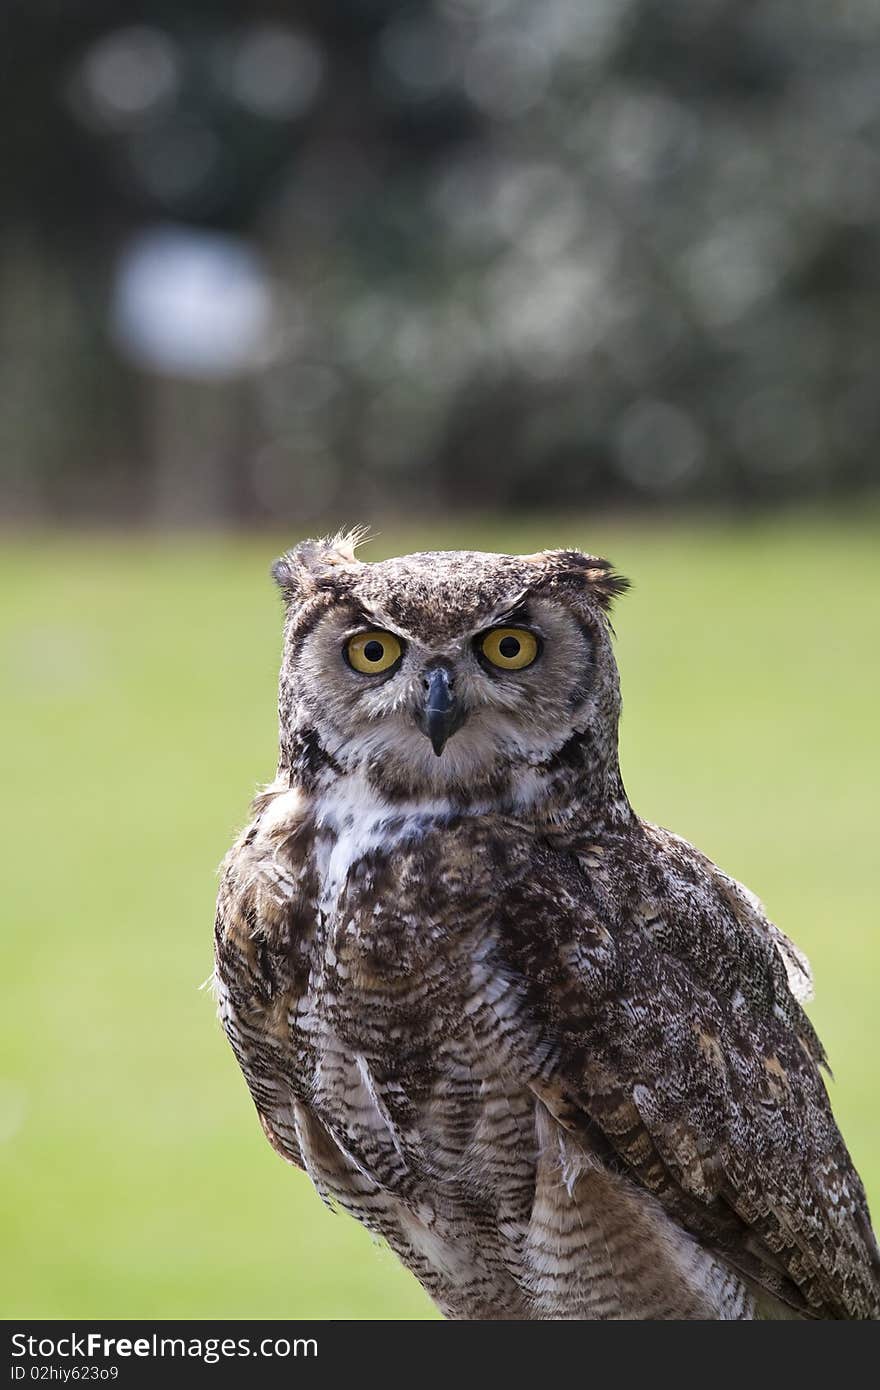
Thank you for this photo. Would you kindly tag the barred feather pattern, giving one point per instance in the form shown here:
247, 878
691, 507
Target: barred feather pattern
498, 1092
549, 1052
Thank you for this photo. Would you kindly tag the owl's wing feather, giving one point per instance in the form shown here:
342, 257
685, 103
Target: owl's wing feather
253, 984
681, 1042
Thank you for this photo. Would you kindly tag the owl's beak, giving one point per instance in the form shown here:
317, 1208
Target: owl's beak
441, 714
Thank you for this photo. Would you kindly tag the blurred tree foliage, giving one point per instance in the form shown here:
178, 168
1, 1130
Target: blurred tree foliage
515, 253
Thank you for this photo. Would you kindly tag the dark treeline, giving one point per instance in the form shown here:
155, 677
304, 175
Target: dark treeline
282, 260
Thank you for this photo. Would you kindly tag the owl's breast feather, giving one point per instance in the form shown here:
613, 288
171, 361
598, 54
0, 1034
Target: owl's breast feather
354, 826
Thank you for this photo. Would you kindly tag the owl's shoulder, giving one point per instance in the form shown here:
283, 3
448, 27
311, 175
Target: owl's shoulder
639, 905
721, 926
265, 902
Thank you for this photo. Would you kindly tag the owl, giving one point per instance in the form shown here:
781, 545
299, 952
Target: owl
549, 1052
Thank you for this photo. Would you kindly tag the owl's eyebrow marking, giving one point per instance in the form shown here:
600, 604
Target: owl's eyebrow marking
359, 616
518, 614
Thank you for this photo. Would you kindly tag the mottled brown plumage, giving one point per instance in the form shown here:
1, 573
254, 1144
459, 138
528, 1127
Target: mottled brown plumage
549, 1052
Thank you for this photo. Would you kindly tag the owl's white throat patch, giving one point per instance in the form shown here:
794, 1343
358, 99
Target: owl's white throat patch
353, 820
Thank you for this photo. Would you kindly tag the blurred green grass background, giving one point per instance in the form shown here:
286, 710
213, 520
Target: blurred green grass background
138, 715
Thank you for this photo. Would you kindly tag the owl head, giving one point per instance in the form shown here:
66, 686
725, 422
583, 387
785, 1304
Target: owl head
457, 673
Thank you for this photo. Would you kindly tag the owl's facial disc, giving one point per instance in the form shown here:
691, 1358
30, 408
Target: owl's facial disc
444, 703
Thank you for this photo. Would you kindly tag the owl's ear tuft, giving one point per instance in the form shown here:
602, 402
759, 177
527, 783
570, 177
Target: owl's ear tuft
606, 585
599, 577
301, 570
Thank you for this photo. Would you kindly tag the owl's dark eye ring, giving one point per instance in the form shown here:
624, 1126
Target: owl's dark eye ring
373, 653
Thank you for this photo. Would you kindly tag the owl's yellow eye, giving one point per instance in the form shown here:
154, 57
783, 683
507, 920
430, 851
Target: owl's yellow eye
371, 653
510, 648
